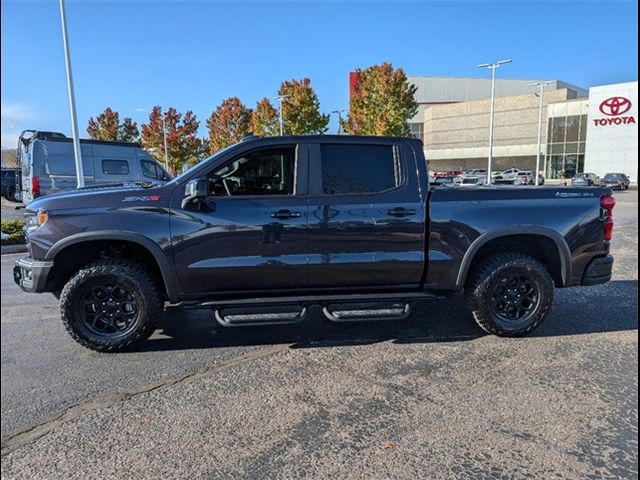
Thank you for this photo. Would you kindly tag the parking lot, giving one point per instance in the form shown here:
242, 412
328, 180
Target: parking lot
429, 397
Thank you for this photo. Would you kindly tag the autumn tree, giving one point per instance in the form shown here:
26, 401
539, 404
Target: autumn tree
382, 103
183, 144
264, 119
301, 108
107, 126
228, 123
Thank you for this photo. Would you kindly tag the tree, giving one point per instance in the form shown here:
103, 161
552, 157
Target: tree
228, 123
107, 126
264, 119
183, 144
301, 108
382, 102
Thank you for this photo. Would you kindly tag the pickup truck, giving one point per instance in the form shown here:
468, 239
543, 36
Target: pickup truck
270, 227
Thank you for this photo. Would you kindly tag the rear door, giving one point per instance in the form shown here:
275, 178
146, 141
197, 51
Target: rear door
366, 219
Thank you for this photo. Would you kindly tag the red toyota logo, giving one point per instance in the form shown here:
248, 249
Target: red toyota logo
615, 106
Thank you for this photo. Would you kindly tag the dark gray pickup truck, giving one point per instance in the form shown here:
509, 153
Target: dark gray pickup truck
269, 227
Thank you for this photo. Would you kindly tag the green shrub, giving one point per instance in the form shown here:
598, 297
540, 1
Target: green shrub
15, 230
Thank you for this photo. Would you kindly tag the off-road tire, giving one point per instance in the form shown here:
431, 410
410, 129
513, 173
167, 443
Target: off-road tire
136, 277
486, 276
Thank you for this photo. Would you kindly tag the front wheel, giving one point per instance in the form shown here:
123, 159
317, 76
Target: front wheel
111, 305
510, 294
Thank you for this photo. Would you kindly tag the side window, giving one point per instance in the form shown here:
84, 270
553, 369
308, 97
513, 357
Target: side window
115, 167
359, 168
150, 169
261, 172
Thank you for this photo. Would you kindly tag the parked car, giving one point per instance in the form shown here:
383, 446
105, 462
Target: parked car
476, 171
352, 227
11, 184
585, 180
617, 181
470, 179
48, 163
447, 180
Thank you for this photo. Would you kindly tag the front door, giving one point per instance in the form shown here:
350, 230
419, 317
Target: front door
250, 234
366, 216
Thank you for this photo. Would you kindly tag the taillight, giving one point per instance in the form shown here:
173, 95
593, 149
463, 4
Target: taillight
607, 203
35, 186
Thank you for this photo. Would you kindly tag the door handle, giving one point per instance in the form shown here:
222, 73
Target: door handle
283, 214
400, 212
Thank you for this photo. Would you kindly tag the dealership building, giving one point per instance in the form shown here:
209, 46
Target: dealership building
592, 130
583, 131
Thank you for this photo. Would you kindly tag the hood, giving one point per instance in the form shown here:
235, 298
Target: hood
102, 196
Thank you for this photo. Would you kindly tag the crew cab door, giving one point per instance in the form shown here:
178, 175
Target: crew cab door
366, 217
250, 233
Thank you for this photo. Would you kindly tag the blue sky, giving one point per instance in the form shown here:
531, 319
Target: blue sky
191, 55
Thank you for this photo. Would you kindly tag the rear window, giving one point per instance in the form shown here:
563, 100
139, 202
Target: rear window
115, 167
359, 168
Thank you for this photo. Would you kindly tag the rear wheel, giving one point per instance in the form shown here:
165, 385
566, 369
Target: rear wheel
111, 305
510, 294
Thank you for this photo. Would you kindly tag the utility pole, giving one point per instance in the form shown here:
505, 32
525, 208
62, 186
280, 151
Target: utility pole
77, 152
540, 85
493, 67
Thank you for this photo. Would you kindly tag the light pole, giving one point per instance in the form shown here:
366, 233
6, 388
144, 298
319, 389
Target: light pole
166, 153
77, 152
493, 67
339, 113
279, 98
540, 85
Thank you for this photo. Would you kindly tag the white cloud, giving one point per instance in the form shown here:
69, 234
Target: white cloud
15, 117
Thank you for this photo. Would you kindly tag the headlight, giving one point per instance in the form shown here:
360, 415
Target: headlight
37, 220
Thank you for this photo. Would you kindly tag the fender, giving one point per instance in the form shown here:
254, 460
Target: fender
561, 244
145, 242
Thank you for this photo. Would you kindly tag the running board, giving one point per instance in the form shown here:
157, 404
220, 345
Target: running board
361, 312
265, 315
305, 300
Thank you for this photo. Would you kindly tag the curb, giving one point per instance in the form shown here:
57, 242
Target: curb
5, 249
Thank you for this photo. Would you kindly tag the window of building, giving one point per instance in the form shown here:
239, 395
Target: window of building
416, 130
566, 146
260, 172
359, 168
115, 167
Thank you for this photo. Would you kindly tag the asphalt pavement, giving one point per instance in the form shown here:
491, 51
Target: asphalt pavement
430, 397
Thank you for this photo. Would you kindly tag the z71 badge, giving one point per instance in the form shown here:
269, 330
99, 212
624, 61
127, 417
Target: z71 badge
142, 198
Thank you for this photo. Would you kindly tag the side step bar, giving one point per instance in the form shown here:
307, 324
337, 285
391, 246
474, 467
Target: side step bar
361, 312
252, 316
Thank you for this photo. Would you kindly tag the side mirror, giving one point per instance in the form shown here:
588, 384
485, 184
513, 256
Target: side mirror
194, 191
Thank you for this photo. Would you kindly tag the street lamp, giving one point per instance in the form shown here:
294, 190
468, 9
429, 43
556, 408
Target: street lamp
72, 100
166, 153
540, 85
339, 113
493, 67
279, 98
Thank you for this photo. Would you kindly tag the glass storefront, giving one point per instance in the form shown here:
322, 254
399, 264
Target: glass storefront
566, 144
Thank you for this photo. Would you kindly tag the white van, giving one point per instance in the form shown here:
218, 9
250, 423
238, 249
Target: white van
48, 164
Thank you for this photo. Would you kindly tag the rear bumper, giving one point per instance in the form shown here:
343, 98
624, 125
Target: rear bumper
31, 275
598, 271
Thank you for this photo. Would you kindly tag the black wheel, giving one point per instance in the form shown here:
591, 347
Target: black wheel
510, 294
15, 195
111, 305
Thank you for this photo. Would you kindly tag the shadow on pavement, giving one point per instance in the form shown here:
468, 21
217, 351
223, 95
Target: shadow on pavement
434, 321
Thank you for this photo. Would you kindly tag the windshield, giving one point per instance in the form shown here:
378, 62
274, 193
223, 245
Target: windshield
188, 172
611, 176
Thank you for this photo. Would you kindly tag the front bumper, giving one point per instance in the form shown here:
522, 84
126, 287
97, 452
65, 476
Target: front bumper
598, 271
31, 275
